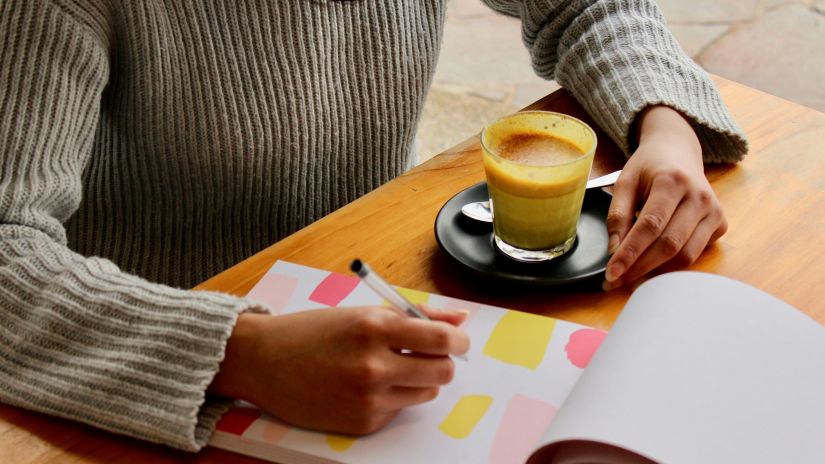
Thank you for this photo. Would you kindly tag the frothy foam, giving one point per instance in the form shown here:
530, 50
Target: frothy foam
534, 149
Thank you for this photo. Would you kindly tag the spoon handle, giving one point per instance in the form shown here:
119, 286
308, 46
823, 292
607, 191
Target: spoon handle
607, 179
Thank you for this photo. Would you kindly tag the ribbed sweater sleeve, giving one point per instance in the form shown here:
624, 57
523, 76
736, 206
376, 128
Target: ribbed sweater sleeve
617, 57
79, 338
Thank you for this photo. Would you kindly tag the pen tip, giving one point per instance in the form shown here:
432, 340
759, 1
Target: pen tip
356, 266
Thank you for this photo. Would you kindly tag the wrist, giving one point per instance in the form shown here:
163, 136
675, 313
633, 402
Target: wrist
663, 121
232, 379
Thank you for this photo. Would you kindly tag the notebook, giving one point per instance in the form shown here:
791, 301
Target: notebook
697, 368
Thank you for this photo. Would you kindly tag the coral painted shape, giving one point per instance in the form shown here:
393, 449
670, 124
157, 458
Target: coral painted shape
582, 345
333, 289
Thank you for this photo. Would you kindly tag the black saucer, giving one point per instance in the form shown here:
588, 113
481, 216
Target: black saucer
470, 242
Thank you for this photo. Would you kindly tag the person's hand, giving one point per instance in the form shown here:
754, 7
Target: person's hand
680, 213
340, 370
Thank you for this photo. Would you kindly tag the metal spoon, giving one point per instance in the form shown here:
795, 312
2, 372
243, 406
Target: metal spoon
481, 210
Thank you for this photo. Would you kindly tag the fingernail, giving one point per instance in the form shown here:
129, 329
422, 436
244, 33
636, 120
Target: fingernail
612, 243
614, 271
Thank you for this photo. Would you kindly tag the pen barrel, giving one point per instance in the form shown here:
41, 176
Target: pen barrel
384, 289
391, 294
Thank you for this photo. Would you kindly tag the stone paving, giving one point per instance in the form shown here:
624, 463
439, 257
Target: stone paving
777, 46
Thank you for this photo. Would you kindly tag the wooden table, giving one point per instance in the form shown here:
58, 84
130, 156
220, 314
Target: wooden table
774, 200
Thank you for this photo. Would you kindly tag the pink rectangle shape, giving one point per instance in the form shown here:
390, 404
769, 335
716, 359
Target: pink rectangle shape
333, 289
275, 290
521, 428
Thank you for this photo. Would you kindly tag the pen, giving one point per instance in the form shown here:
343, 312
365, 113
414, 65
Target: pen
388, 292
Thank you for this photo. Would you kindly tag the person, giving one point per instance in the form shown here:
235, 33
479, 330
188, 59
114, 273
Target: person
149, 145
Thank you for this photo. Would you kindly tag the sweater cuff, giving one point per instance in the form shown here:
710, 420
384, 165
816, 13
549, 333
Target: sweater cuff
615, 76
82, 340
213, 407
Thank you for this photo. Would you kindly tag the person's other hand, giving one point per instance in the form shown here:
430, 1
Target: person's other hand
680, 213
340, 370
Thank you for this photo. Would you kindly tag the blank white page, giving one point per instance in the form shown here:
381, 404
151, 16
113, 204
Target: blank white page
702, 368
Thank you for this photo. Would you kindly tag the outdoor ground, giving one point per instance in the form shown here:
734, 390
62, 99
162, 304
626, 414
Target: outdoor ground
777, 46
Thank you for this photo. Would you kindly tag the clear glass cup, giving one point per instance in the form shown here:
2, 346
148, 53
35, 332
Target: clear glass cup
537, 165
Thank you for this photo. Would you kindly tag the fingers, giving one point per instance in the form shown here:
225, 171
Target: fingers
430, 343
691, 229
409, 370
622, 209
427, 337
665, 196
453, 317
708, 231
681, 229
406, 396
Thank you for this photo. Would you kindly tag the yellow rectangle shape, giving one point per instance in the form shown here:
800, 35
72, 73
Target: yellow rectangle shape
465, 415
414, 296
520, 338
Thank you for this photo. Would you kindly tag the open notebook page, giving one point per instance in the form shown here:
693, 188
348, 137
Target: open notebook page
701, 368
521, 367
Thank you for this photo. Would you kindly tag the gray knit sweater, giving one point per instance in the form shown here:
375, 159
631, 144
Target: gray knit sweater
146, 145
